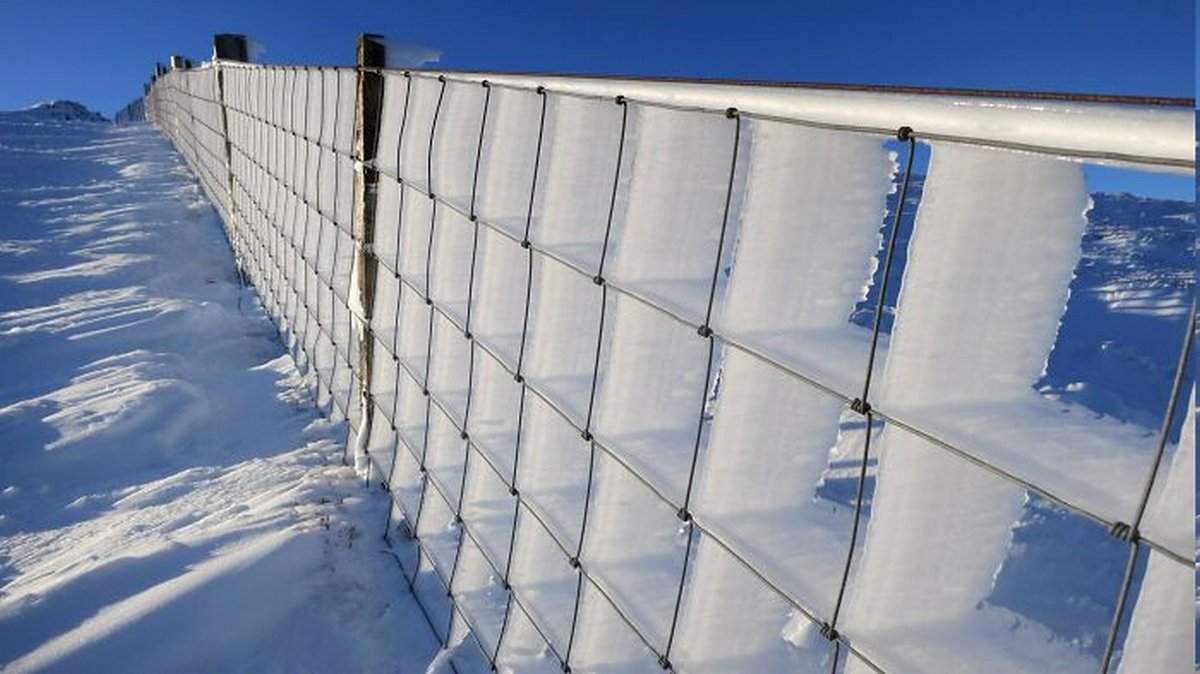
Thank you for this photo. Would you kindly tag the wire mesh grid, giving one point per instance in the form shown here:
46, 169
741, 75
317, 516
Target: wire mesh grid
539, 388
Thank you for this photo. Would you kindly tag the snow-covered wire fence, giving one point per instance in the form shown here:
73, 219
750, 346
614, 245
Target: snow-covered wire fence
592, 337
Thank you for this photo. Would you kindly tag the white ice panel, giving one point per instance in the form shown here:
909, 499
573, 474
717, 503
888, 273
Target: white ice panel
509, 153
561, 352
581, 144
495, 410
809, 233
524, 650
456, 143
395, 91
1170, 516
450, 268
445, 458
756, 485
489, 510
641, 571
553, 469
651, 392
730, 622
544, 581
672, 205
605, 643
414, 150
501, 278
480, 594
995, 242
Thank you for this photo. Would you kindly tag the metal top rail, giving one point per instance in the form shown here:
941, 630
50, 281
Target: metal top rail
1137, 131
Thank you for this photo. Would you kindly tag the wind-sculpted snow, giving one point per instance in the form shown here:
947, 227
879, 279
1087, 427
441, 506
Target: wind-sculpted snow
169, 500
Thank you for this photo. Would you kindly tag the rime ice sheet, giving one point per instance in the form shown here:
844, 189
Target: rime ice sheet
809, 230
730, 618
1017, 219
581, 143
995, 242
652, 392
671, 205
642, 579
508, 155
456, 143
1161, 634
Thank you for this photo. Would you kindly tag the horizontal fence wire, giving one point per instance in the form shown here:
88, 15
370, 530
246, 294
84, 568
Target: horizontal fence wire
283, 231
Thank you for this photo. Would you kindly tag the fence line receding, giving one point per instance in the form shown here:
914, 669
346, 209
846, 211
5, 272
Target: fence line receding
593, 337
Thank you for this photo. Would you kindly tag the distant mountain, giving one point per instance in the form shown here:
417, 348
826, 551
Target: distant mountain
54, 111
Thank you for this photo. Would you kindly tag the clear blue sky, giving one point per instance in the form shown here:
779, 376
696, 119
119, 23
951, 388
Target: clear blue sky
100, 52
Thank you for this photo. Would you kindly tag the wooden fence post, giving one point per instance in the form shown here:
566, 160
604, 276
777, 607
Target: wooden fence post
229, 47
371, 54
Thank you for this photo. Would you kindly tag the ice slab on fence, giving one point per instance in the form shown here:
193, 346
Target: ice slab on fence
668, 236
642, 578
479, 594
553, 471
496, 408
730, 618
809, 234
995, 243
456, 143
489, 510
582, 142
652, 393
543, 581
562, 336
502, 277
391, 123
509, 153
424, 93
1026, 231
606, 643
1161, 635
524, 649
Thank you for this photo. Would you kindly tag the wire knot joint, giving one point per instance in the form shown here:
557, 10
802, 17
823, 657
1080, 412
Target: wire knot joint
1124, 532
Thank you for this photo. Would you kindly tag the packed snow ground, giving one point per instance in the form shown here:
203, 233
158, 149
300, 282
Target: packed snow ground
169, 498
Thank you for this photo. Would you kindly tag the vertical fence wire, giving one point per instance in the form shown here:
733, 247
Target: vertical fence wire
862, 405
1131, 533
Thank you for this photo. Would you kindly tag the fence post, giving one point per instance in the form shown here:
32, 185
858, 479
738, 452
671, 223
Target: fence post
371, 54
229, 47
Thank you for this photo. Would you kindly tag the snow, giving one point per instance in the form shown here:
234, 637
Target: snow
586, 401
169, 498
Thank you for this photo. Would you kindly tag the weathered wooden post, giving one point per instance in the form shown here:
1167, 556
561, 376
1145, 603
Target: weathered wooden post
371, 55
229, 47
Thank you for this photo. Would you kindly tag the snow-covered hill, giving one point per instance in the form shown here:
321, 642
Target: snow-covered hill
53, 111
169, 499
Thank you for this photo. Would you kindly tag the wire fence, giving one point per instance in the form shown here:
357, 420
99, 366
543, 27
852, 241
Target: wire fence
597, 351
